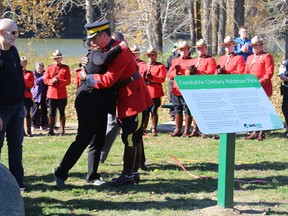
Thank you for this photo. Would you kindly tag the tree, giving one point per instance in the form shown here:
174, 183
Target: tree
222, 25
238, 14
216, 32
207, 23
191, 21
89, 11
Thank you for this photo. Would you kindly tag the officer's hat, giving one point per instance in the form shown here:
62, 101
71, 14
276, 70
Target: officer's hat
96, 27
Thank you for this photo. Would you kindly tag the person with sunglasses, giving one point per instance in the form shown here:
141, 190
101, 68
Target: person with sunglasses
12, 88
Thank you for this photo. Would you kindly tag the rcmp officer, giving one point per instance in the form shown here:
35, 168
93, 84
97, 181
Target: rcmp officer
28, 101
57, 77
92, 106
230, 63
261, 64
179, 67
154, 74
205, 65
122, 72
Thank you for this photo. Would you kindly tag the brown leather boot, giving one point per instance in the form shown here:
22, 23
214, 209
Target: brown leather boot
188, 121
154, 125
51, 126
178, 121
261, 136
62, 125
195, 132
252, 136
145, 124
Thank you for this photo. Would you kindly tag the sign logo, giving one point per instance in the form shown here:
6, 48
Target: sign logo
259, 125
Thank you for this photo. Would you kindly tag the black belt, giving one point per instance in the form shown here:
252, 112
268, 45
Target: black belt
128, 80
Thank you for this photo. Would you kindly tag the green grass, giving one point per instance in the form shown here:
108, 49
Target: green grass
166, 189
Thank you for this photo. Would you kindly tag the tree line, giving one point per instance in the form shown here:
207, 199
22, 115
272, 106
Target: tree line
153, 21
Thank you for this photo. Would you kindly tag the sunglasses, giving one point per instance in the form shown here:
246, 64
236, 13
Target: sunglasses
12, 32
151, 55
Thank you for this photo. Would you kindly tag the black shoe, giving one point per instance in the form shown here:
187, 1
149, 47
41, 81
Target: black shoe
60, 183
122, 180
144, 167
286, 134
136, 177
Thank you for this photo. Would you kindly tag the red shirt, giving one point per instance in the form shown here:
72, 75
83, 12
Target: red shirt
154, 77
234, 64
58, 90
29, 83
262, 66
205, 65
184, 64
132, 98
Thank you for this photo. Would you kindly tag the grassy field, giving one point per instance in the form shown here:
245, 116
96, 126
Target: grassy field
165, 189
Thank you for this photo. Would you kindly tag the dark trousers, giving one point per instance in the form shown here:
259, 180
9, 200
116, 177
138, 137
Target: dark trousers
13, 122
40, 108
91, 131
285, 107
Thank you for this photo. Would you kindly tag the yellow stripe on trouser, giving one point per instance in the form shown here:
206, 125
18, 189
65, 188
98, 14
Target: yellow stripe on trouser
129, 137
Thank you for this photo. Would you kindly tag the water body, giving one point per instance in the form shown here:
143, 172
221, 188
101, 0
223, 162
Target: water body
69, 47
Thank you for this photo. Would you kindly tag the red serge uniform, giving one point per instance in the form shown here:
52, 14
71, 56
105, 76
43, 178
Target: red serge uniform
153, 81
205, 65
62, 72
132, 98
184, 64
233, 64
29, 83
262, 66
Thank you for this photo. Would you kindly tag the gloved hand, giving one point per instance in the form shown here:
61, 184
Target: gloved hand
220, 70
192, 69
83, 61
55, 81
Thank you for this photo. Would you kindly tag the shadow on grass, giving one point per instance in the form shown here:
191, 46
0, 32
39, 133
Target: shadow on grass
95, 206
267, 205
263, 166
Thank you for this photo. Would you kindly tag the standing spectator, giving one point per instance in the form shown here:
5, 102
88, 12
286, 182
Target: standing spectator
130, 87
179, 67
242, 47
204, 65
175, 54
230, 63
57, 77
261, 64
39, 91
92, 106
12, 89
154, 74
283, 75
28, 102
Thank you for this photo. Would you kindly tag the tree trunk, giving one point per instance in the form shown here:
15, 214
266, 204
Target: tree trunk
207, 23
89, 11
156, 25
216, 27
1, 8
222, 25
198, 20
191, 21
110, 14
239, 12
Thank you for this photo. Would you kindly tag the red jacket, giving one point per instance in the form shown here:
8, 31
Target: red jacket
234, 64
57, 90
205, 65
29, 83
262, 66
154, 77
132, 98
184, 64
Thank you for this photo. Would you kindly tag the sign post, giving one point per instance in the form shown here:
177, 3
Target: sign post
226, 104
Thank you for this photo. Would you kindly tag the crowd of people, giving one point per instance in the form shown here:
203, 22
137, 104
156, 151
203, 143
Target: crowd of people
115, 90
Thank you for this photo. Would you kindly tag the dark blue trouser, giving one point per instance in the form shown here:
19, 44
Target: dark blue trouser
13, 126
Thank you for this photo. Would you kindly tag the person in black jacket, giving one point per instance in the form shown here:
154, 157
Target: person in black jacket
92, 107
12, 88
283, 75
